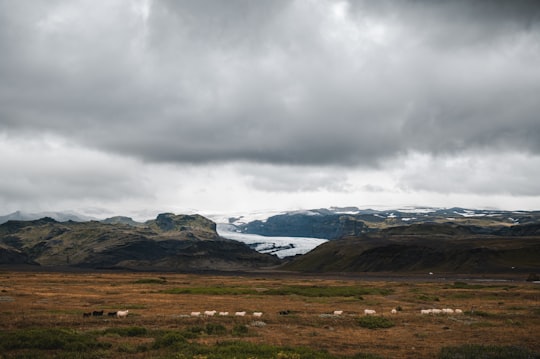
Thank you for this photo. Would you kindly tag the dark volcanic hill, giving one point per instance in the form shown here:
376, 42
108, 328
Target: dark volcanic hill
428, 247
170, 242
336, 223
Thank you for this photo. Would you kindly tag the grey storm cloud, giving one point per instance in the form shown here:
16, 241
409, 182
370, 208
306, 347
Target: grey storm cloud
278, 82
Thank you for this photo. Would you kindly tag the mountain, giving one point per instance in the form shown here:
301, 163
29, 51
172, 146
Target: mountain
435, 247
58, 216
335, 222
169, 242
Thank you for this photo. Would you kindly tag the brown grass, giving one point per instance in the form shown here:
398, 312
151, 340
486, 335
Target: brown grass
502, 313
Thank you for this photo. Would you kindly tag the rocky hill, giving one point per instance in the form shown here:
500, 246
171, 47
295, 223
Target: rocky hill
170, 242
334, 223
428, 247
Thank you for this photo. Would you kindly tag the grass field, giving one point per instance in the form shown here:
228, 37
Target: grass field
42, 316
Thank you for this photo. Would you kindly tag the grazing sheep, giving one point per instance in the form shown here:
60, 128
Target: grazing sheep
122, 313
436, 311
285, 312
195, 314
257, 314
86, 315
369, 312
426, 311
338, 312
95, 313
447, 311
240, 314
458, 311
210, 313
223, 314
393, 311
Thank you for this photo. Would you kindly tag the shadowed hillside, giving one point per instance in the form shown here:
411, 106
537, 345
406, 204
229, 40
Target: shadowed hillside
428, 247
170, 242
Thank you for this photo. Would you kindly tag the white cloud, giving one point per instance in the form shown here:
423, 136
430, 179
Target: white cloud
144, 105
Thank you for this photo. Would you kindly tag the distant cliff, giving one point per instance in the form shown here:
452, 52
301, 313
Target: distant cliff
306, 225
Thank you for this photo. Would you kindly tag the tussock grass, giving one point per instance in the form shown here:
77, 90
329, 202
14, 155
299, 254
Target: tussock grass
300, 290
161, 326
50, 339
375, 322
475, 351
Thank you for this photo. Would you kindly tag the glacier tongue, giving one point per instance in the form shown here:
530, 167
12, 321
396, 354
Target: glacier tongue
280, 246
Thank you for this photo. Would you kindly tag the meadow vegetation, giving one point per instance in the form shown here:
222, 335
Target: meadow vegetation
42, 316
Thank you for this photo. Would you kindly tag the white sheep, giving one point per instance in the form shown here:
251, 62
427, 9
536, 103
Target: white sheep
458, 311
447, 311
122, 313
257, 314
369, 312
338, 312
210, 313
223, 314
195, 314
240, 314
426, 311
436, 311
393, 311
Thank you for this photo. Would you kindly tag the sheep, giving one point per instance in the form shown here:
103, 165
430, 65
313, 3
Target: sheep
393, 311
86, 315
111, 314
369, 312
458, 311
436, 311
122, 313
240, 314
195, 314
95, 313
338, 312
426, 311
447, 311
210, 313
257, 314
223, 314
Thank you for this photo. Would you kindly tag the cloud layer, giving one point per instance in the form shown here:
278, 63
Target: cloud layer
323, 86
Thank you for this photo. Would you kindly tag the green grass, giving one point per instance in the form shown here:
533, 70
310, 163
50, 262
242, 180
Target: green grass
66, 343
212, 291
151, 281
305, 291
375, 322
49, 339
475, 351
464, 285
337, 291
127, 331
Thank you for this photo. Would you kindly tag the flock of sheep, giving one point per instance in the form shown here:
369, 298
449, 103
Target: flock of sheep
211, 313
118, 314
422, 311
441, 311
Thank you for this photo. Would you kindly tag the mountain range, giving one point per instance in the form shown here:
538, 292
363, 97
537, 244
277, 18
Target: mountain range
320, 240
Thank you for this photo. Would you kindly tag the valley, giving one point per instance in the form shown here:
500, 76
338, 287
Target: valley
297, 321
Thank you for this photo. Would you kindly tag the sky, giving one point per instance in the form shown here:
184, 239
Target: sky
137, 107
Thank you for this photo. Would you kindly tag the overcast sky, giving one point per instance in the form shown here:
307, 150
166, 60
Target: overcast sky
135, 107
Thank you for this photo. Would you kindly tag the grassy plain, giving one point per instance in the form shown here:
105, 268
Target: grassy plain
51, 305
